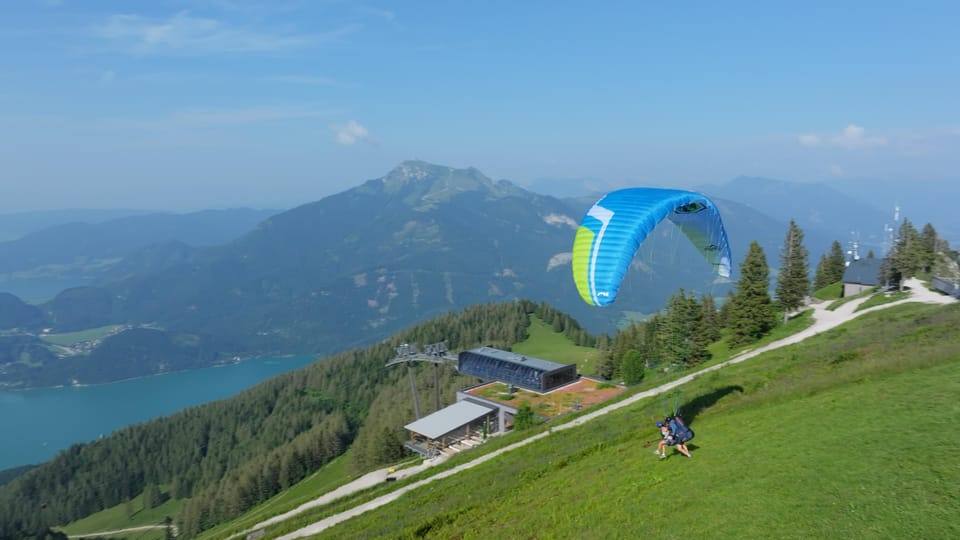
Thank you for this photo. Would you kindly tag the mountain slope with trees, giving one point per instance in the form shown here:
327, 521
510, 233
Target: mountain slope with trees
42, 262
228, 455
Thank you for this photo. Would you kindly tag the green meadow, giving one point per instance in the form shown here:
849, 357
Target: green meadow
72, 338
544, 343
847, 434
127, 516
826, 438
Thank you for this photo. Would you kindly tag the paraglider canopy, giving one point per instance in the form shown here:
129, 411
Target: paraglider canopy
614, 227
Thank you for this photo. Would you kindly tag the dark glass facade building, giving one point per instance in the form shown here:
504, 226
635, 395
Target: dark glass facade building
525, 372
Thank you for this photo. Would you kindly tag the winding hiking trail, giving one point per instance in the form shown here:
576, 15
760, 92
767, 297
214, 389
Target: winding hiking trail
823, 320
173, 529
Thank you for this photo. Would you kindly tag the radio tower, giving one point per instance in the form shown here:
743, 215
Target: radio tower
890, 231
853, 249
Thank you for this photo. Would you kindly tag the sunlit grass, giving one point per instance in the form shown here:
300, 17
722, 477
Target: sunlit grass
127, 515
71, 338
328, 478
837, 303
830, 292
882, 298
544, 343
815, 440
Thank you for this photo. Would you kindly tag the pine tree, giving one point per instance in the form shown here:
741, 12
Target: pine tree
927, 244
836, 264
711, 318
151, 496
751, 312
793, 281
632, 367
905, 257
820, 275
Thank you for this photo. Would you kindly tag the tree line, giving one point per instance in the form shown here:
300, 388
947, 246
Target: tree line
227, 456
680, 334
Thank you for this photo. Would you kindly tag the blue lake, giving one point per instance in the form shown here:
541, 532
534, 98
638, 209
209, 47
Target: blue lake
36, 424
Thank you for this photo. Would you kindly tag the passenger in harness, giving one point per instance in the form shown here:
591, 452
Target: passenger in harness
667, 439
679, 434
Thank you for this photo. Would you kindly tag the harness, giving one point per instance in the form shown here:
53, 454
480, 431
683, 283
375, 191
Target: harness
680, 432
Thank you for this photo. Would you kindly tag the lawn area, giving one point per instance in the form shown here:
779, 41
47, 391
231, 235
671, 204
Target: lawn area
572, 397
328, 478
119, 517
882, 298
71, 338
815, 440
544, 343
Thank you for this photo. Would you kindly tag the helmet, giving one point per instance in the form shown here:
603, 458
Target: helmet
659, 424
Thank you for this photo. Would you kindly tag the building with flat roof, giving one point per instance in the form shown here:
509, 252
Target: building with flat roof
461, 422
527, 372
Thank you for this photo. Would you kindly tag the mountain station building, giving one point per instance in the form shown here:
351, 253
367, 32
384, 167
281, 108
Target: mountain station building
472, 418
508, 367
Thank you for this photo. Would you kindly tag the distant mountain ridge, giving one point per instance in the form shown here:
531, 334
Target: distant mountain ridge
817, 208
357, 266
74, 254
14, 225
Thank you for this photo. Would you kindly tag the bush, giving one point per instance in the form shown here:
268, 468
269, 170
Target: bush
524, 419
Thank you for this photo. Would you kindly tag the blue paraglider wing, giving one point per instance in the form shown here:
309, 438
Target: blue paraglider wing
613, 229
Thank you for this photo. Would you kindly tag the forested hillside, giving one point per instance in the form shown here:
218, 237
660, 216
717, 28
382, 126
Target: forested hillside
232, 454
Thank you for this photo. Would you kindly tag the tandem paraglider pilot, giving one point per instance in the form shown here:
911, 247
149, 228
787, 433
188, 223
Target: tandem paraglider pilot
675, 433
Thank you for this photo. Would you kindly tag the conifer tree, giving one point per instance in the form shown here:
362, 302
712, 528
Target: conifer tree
905, 257
751, 312
820, 275
927, 243
793, 281
836, 263
711, 318
632, 367
151, 496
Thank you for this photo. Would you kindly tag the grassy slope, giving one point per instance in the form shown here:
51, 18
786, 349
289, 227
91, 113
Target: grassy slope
116, 518
622, 437
848, 434
71, 338
333, 475
544, 343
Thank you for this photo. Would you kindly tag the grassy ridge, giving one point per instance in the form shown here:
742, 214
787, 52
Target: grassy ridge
72, 338
120, 517
543, 342
827, 438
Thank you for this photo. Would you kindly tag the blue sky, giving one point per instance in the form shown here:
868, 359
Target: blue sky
187, 105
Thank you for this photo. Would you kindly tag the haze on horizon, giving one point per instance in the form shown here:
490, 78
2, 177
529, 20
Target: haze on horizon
215, 103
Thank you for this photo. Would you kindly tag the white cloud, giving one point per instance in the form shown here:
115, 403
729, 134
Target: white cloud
351, 133
809, 140
185, 34
852, 137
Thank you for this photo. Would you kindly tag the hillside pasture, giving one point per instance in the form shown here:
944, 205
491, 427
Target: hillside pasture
826, 438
